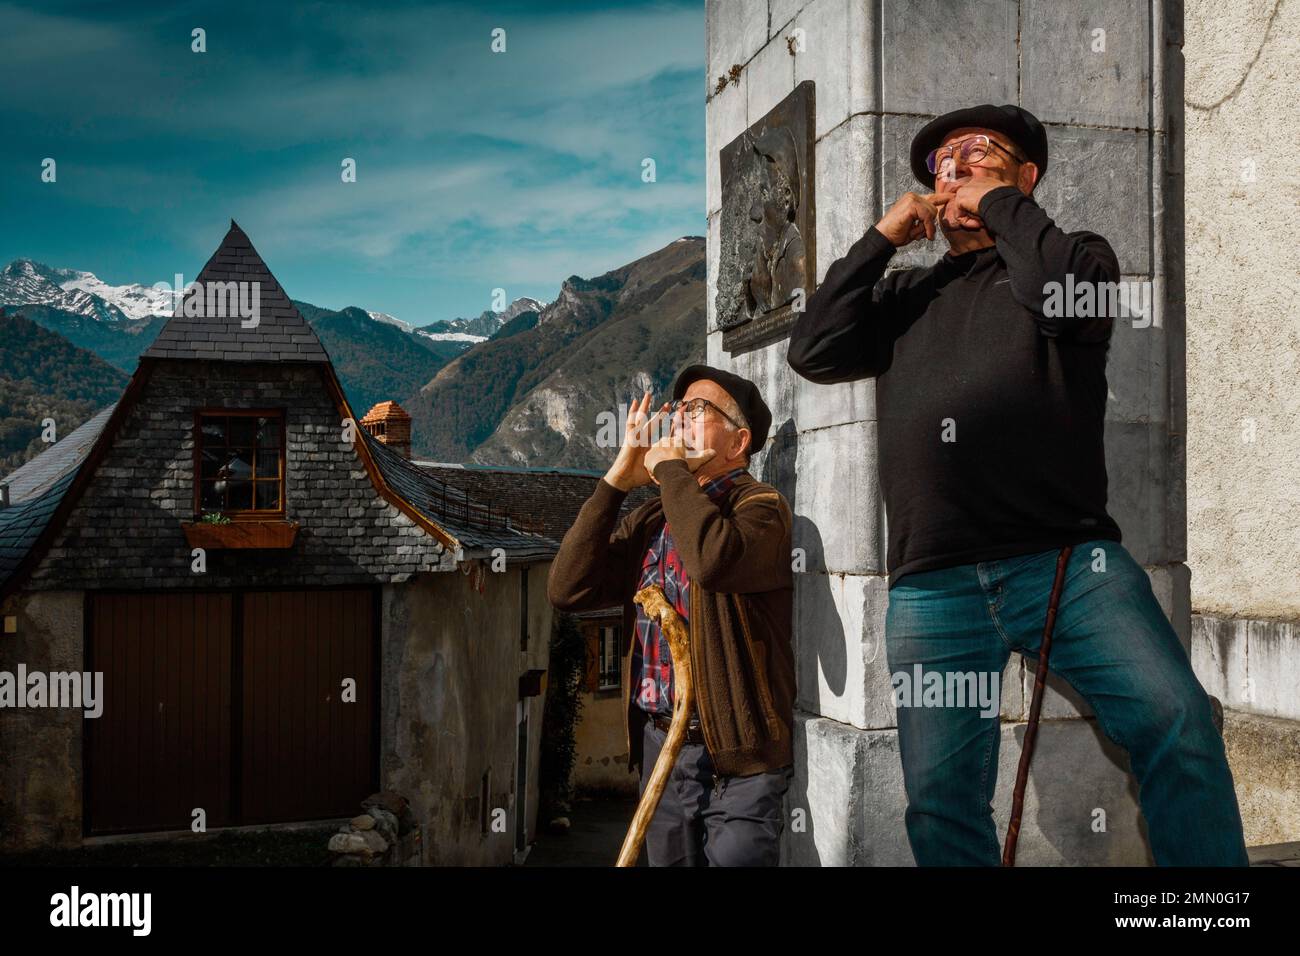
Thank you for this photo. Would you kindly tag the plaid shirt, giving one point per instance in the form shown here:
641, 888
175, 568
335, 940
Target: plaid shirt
652, 663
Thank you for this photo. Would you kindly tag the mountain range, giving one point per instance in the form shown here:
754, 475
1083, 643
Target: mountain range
480, 328
521, 386
24, 282
44, 377
533, 393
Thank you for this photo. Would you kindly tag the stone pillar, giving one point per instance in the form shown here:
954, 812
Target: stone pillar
1106, 78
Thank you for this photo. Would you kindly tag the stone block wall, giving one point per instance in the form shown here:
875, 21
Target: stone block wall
1253, 666
882, 69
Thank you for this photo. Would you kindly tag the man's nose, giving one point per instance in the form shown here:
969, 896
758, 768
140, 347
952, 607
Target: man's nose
950, 170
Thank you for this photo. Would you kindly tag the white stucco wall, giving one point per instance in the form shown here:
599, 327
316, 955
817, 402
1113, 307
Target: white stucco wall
1243, 313
452, 661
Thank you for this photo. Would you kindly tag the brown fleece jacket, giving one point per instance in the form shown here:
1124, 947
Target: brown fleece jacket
737, 556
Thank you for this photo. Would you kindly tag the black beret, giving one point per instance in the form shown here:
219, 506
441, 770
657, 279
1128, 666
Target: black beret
745, 393
1018, 125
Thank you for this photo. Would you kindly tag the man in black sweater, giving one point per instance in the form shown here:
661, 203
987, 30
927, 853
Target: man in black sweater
990, 399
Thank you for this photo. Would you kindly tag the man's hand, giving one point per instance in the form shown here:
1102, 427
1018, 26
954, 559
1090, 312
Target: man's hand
629, 470
912, 217
675, 447
963, 208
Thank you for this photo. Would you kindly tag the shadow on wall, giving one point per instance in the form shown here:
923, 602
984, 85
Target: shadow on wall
812, 590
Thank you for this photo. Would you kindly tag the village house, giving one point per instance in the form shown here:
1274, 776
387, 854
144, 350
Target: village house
553, 497
350, 623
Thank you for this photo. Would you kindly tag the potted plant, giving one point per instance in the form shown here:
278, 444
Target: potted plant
216, 530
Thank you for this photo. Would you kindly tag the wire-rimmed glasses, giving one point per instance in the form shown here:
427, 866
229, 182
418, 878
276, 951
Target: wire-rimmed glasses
970, 151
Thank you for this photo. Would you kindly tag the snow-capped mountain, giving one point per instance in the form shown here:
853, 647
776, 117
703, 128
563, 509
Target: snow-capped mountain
481, 328
391, 320
135, 300
24, 282
478, 329
452, 336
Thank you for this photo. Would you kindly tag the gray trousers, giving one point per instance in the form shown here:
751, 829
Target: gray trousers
733, 821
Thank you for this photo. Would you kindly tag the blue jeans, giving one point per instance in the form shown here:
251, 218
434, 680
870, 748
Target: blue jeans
1113, 644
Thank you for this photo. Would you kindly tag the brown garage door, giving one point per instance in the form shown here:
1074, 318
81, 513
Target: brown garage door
230, 701
307, 754
162, 745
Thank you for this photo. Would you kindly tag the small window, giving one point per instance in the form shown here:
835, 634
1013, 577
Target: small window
240, 462
523, 608
610, 674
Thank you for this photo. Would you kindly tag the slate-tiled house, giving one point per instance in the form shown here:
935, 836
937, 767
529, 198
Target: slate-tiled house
344, 632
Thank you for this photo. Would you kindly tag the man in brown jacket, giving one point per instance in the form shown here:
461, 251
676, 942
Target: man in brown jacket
717, 541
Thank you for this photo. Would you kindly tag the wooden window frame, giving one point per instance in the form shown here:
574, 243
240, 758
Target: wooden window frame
241, 514
617, 672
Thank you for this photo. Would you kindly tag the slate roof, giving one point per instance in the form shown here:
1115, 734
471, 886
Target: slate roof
36, 488
281, 335
552, 497
22, 524
34, 478
468, 519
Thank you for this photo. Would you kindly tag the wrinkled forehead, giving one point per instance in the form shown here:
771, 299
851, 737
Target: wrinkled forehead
965, 132
706, 388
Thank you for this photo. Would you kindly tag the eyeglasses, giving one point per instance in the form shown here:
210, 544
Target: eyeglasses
969, 151
694, 409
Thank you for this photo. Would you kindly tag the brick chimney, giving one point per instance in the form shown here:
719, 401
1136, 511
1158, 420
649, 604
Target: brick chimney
389, 422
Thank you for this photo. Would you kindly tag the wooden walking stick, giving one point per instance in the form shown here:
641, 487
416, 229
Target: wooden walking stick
658, 607
1035, 706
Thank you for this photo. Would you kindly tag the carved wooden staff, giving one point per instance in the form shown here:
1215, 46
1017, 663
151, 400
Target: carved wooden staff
1035, 706
659, 608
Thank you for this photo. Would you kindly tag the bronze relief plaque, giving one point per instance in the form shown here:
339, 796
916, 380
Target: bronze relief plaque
768, 228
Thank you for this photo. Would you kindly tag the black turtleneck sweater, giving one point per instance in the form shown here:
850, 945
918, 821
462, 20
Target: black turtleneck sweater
962, 351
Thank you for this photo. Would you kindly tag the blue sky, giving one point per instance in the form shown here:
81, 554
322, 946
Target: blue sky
474, 169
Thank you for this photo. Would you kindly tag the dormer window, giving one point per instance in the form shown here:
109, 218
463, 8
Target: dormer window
239, 462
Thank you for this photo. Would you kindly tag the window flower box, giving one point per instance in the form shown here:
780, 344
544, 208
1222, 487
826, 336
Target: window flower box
240, 534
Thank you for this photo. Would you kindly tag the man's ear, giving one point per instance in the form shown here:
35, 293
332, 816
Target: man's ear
1027, 178
745, 441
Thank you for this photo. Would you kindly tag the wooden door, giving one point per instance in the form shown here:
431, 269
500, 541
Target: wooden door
162, 745
231, 702
307, 753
